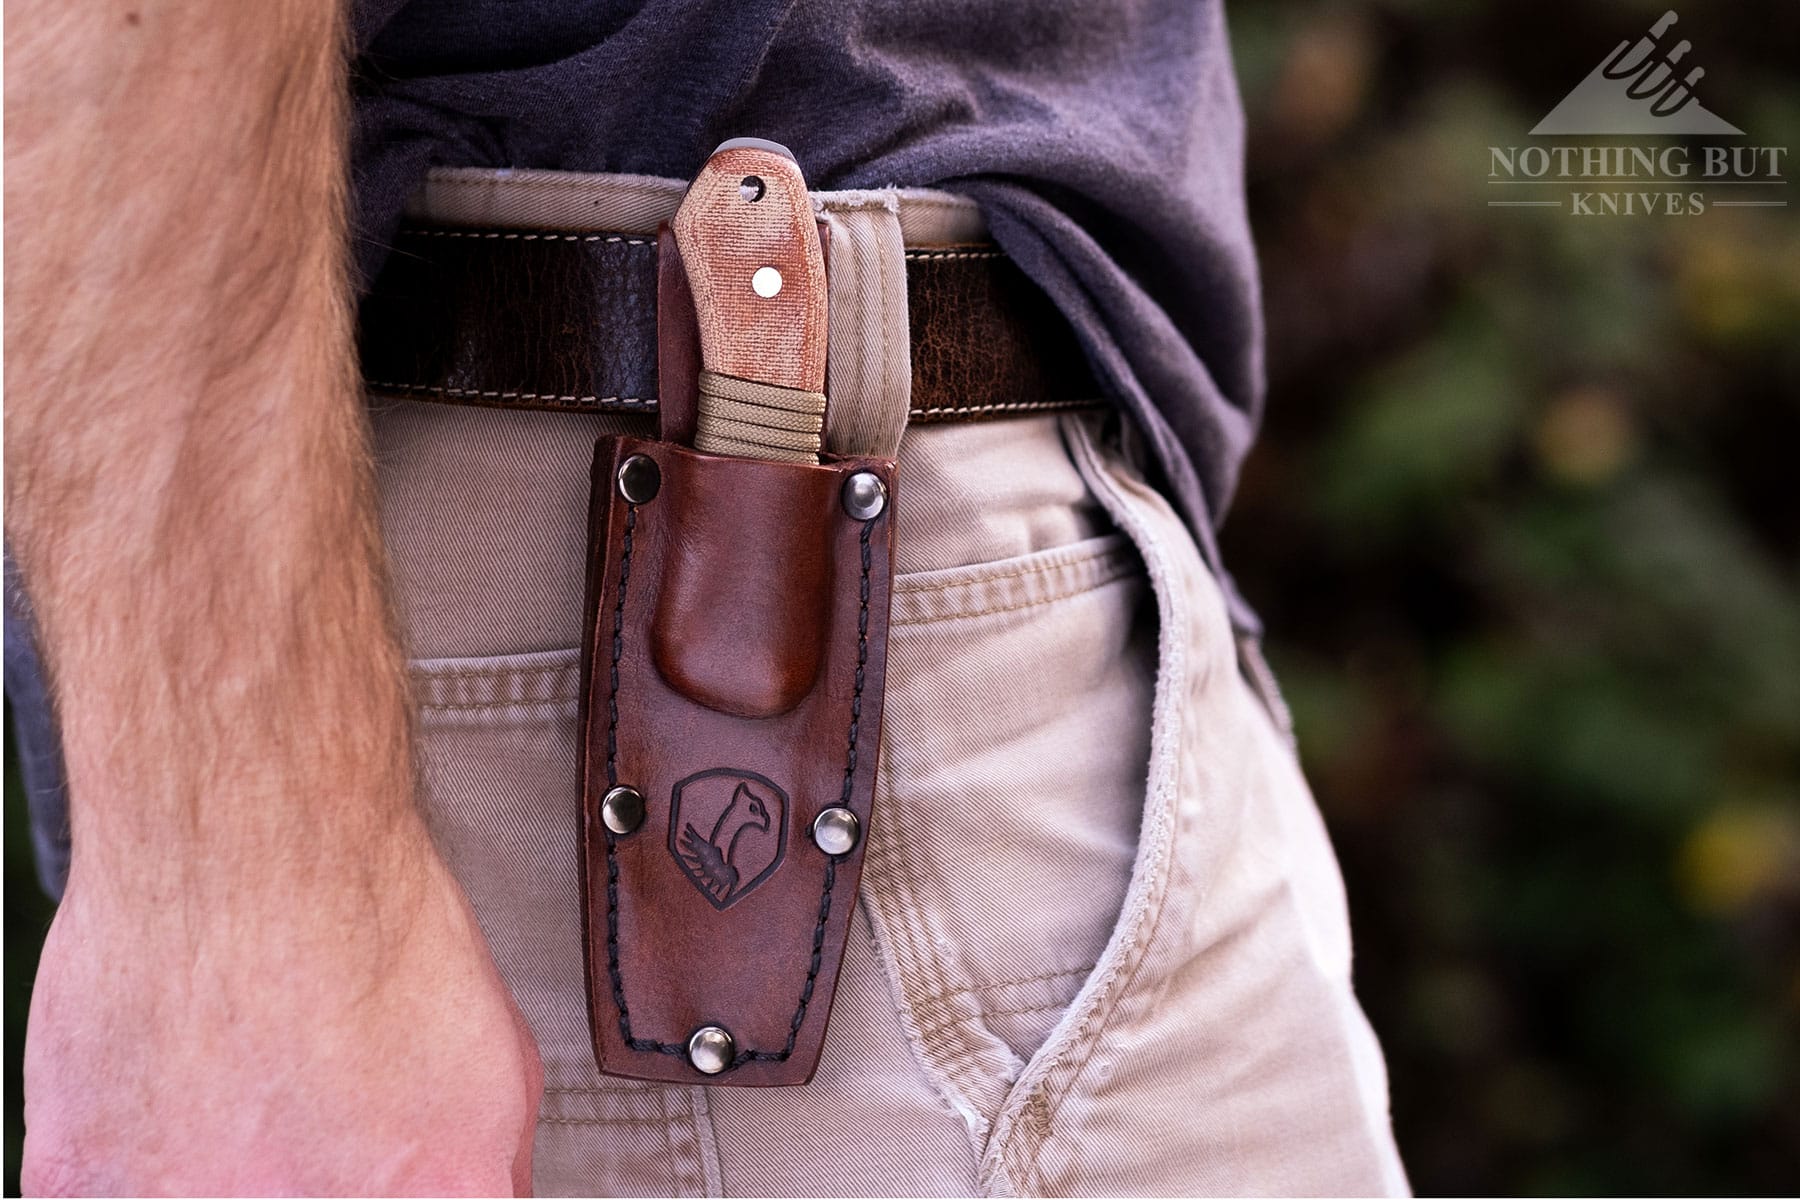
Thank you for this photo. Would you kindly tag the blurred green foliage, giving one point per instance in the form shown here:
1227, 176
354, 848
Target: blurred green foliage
1525, 528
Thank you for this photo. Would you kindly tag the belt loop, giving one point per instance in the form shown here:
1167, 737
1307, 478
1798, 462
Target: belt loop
869, 361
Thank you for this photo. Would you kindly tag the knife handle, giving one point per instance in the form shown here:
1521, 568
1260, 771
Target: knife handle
749, 242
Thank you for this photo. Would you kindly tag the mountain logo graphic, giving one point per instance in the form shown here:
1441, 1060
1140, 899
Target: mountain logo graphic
1639, 89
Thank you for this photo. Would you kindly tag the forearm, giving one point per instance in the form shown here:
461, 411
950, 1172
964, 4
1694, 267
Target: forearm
188, 486
262, 979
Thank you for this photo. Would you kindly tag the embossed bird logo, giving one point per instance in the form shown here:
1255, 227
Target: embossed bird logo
740, 846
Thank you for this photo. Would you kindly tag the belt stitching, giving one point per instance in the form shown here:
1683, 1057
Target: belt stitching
921, 254
645, 404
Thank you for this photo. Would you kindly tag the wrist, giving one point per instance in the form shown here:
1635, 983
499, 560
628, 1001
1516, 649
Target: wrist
296, 866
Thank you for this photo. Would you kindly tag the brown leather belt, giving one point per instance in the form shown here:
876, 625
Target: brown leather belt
546, 320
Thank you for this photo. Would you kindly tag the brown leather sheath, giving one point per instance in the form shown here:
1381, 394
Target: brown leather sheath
733, 680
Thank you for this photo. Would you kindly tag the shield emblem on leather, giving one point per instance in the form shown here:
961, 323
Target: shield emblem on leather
728, 832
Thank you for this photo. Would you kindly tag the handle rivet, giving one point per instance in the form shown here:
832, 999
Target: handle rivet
710, 1049
766, 282
864, 495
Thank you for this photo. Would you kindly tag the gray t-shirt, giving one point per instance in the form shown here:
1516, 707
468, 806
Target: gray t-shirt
1104, 139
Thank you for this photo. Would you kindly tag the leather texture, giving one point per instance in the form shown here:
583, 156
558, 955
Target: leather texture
545, 320
678, 345
734, 673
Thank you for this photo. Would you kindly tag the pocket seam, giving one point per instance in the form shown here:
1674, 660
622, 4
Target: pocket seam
534, 702
1029, 581
996, 985
1023, 1125
544, 679
984, 1014
1051, 559
1041, 602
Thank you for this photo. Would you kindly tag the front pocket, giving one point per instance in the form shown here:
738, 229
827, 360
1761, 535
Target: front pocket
497, 747
500, 775
1013, 763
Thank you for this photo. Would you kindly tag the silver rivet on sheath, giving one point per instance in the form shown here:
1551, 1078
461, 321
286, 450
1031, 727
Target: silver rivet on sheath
836, 831
639, 479
710, 1049
864, 495
622, 808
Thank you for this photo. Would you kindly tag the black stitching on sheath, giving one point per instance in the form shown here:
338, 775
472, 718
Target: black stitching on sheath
831, 861
612, 781
612, 863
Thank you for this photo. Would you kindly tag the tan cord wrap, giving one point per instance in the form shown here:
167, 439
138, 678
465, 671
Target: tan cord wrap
758, 420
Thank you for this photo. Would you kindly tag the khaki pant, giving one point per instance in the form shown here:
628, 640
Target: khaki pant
1101, 945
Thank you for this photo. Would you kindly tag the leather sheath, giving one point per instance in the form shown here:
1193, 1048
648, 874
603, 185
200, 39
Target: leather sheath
733, 675
737, 665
